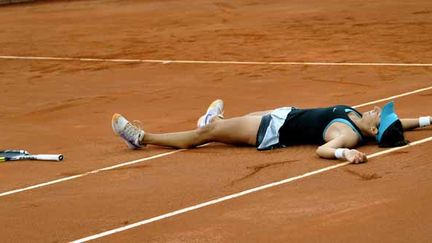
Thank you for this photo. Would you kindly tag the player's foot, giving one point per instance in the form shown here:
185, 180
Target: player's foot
130, 133
216, 108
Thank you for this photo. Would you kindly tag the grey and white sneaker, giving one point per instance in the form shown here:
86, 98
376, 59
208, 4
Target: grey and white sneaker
216, 108
130, 133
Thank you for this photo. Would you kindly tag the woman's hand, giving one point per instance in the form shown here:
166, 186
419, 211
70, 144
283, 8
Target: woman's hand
355, 156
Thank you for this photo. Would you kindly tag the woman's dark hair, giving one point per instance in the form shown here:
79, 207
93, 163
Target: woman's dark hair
393, 136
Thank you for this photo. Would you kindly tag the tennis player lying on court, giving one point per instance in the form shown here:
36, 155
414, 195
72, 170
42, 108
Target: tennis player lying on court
337, 130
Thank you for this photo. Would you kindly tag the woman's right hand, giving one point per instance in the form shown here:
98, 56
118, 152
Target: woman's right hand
355, 156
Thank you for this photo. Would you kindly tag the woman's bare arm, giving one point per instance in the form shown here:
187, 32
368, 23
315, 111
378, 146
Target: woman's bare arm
411, 123
327, 150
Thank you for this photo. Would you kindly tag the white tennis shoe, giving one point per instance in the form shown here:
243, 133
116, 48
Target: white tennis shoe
130, 133
216, 108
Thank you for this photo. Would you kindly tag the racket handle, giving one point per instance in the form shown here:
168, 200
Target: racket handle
54, 157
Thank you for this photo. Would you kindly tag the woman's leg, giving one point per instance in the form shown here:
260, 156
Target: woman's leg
240, 130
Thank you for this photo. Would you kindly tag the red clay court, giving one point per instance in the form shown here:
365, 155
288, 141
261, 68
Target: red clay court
67, 66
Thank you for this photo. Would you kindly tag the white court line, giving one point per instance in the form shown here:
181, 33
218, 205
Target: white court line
239, 194
163, 154
89, 59
394, 97
89, 173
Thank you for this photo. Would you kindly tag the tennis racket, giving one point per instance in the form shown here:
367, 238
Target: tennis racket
11, 155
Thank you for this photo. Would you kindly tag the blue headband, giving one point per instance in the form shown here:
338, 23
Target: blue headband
388, 117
